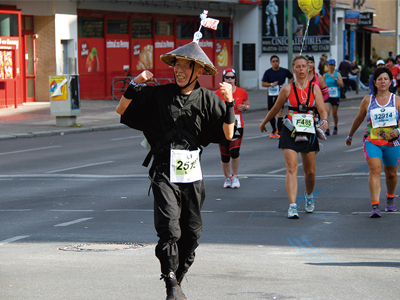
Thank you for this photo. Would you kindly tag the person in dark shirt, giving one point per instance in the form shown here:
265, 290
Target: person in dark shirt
345, 70
177, 119
274, 78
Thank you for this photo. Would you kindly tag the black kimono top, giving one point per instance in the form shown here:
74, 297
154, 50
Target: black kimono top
196, 120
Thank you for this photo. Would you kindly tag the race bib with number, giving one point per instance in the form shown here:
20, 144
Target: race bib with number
238, 122
185, 166
273, 90
334, 92
383, 117
303, 123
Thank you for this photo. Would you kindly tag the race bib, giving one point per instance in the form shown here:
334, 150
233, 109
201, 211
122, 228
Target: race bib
303, 123
394, 82
273, 90
238, 122
383, 117
334, 92
185, 166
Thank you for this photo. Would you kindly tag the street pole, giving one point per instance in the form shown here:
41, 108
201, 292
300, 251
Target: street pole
290, 32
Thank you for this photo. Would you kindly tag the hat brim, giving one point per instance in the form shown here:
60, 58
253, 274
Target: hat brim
192, 52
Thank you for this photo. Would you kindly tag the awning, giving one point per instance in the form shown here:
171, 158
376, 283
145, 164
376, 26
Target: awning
381, 31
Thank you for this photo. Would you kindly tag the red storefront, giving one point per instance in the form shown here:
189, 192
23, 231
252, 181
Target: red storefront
110, 42
11, 87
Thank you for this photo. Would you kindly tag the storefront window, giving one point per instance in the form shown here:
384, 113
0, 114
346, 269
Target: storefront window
164, 28
142, 29
223, 30
117, 26
8, 25
185, 29
27, 23
89, 27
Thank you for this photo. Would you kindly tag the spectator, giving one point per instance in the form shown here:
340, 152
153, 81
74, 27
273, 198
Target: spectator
345, 70
395, 72
354, 76
323, 66
379, 64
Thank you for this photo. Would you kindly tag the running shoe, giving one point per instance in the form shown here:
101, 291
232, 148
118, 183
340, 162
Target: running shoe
272, 135
278, 136
235, 182
334, 131
327, 132
292, 212
227, 183
390, 205
376, 211
310, 203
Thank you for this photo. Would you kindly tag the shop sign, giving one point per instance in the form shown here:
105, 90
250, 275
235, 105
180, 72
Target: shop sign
8, 44
351, 16
366, 19
274, 28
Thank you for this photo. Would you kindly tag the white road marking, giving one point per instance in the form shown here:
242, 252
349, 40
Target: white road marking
71, 210
27, 150
255, 137
354, 149
13, 239
15, 210
78, 167
282, 169
72, 222
126, 138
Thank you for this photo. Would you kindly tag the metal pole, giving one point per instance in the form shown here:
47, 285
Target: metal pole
290, 32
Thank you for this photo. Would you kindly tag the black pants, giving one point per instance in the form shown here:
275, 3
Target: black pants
177, 219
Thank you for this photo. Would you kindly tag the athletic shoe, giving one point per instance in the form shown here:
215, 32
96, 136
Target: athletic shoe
327, 132
227, 183
272, 135
376, 211
334, 131
235, 182
278, 136
390, 205
292, 212
310, 203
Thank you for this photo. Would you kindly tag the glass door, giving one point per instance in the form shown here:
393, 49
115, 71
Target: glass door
30, 69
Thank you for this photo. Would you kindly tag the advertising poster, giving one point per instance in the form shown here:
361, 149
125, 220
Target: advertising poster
6, 64
163, 44
91, 55
274, 28
142, 55
117, 54
58, 88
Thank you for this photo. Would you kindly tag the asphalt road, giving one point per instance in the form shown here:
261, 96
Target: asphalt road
89, 191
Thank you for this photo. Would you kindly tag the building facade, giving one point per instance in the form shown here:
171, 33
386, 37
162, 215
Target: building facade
103, 40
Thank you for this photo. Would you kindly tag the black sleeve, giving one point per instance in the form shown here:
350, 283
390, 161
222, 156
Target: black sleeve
136, 115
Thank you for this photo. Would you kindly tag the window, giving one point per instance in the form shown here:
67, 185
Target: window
164, 28
185, 29
142, 29
8, 25
117, 26
27, 22
223, 30
89, 27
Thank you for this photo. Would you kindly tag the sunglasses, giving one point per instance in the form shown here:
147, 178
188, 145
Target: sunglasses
230, 77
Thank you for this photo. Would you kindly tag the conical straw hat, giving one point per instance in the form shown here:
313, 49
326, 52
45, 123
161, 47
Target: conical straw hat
191, 51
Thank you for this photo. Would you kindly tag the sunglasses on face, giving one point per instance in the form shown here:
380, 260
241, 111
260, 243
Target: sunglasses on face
230, 77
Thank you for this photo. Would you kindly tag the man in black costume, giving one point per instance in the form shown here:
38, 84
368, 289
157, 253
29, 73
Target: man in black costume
177, 119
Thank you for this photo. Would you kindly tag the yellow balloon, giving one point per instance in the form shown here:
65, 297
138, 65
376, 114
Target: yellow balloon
311, 7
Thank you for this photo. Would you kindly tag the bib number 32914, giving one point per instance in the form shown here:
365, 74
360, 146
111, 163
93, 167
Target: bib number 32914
185, 166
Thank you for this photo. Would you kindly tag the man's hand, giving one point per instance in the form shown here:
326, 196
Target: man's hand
226, 91
143, 77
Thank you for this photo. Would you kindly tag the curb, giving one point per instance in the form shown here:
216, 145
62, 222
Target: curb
62, 132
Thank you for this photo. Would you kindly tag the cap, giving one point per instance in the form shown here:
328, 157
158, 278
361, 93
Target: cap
380, 62
310, 57
226, 71
392, 59
331, 62
191, 51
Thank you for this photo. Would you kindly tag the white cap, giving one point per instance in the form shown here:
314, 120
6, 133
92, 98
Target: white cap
380, 62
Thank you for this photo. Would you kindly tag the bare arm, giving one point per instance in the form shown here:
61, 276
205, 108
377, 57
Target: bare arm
319, 103
282, 97
124, 102
358, 119
340, 80
226, 91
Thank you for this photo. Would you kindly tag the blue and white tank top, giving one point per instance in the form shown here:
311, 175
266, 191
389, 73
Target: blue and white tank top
332, 85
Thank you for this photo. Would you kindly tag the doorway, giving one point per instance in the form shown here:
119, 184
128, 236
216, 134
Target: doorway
29, 66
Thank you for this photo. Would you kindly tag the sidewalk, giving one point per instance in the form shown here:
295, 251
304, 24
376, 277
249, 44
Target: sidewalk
34, 119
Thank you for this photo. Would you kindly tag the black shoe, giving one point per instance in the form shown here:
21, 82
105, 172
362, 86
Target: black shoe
174, 291
327, 132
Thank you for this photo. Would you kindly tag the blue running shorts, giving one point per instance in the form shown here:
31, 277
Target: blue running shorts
388, 155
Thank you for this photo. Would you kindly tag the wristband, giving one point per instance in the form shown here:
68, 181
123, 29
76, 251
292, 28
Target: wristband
229, 117
324, 120
230, 104
350, 137
398, 130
